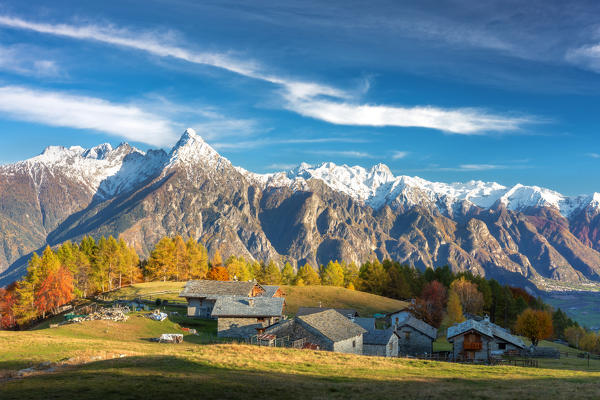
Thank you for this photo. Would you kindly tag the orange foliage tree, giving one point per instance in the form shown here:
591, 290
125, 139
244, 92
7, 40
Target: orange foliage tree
8, 299
54, 291
535, 325
430, 305
218, 274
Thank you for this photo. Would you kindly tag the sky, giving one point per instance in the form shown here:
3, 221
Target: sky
451, 91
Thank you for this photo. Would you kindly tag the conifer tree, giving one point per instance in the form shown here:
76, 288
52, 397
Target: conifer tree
308, 275
454, 309
162, 260
287, 274
237, 269
217, 260
197, 259
332, 274
181, 261
271, 274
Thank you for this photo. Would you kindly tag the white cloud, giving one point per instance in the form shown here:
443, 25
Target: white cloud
81, 112
305, 98
399, 154
587, 57
593, 155
280, 166
24, 60
458, 121
343, 153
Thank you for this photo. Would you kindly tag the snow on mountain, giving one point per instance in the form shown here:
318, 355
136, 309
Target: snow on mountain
104, 171
192, 149
107, 172
378, 186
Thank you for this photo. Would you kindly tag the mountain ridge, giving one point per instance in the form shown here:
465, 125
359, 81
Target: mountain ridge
308, 214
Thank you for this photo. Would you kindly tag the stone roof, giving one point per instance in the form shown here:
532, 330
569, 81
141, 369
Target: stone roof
487, 328
248, 307
405, 318
346, 312
215, 289
270, 290
378, 336
332, 325
366, 323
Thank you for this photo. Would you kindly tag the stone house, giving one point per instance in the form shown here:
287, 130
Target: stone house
326, 330
378, 342
244, 317
415, 337
272, 291
201, 295
474, 340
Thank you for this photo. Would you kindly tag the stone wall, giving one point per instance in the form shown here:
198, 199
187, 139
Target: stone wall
353, 345
412, 342
234, 327
200, 308
388, 350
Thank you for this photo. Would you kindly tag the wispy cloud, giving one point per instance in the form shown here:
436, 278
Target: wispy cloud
25, 60
81, 112
280, 166
342, 153
309, 99
593, 155
587, 57
397, 155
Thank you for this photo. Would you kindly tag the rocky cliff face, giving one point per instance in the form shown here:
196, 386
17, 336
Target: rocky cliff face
312, 215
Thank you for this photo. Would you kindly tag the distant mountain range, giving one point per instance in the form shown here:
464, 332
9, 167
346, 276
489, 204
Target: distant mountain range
522, 234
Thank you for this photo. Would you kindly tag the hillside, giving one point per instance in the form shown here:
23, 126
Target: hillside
309, 296
113, 360
523, 235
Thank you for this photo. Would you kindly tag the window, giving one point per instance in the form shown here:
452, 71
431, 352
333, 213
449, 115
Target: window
502, 346
261, 319
407, 335
354, 343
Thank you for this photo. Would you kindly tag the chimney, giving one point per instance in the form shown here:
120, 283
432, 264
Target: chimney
251, 302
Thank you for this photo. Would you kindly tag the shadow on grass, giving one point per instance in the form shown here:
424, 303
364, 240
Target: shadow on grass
169, 377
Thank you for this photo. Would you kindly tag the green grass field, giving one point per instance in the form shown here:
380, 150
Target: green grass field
115, 360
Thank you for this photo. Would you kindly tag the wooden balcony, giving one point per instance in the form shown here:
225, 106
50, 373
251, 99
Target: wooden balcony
472, 346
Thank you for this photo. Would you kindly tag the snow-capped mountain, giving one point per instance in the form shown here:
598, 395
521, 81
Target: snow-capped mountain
378, 186
310, 214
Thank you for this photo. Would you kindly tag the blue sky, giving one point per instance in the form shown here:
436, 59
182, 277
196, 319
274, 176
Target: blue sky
450, 91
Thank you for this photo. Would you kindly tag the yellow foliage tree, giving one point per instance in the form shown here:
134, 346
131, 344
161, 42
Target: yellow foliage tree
535, 325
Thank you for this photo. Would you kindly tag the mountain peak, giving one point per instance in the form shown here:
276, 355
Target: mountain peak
191, 149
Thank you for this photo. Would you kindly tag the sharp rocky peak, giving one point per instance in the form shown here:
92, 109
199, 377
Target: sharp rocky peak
191, 149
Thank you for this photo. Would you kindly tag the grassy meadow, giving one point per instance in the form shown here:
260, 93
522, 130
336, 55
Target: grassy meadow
116, 360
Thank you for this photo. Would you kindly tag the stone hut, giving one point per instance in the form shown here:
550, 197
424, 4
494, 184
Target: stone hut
326, 330
201, 295
244, 317
415, 337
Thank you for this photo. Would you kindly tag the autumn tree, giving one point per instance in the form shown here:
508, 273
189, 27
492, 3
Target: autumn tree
54, 291
535, 325
430, 305
8, 300
350, 274
454, 310
162, 260
218, 274
181, 261
332, 274
470, 297
237, 268
271, 274
287, 274
573, 335
197, 259
307, 275
217, 260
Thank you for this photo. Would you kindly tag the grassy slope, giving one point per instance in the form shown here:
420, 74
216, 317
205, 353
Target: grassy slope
310, 296
152, 370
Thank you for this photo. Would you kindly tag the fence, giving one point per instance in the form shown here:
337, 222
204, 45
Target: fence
273, 341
